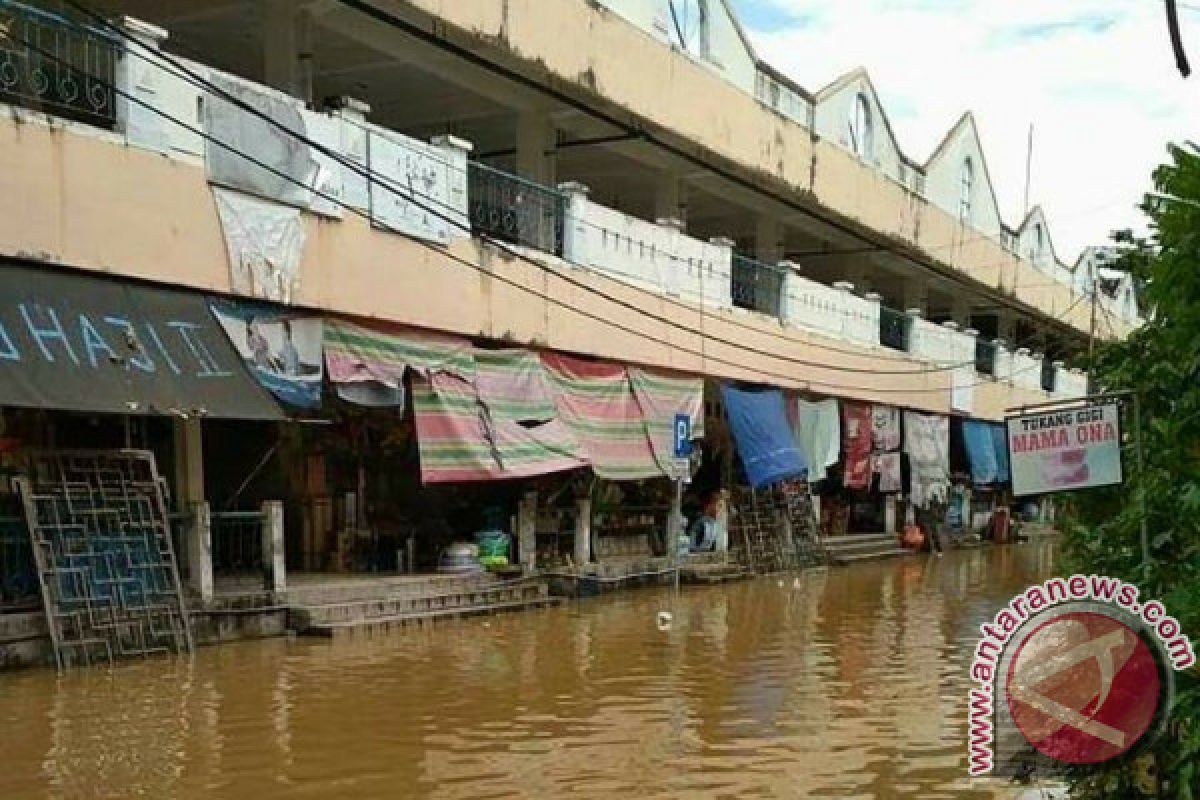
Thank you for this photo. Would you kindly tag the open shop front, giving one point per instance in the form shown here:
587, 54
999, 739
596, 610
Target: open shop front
103, 384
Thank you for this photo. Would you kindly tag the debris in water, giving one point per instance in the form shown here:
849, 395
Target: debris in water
664, 620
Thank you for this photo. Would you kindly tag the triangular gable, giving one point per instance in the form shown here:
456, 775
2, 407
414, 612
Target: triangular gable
938, 159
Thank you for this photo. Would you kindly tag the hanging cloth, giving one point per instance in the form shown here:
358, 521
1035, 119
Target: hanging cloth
819, 433
764, 438
887, 467
885, 429
927, 444
856, 444
981, 451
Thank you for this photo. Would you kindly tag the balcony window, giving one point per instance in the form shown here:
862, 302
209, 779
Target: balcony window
966, 185
862, 133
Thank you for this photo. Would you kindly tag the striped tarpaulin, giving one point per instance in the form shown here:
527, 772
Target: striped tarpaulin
355, 353
463, 437
596, 402
662, 395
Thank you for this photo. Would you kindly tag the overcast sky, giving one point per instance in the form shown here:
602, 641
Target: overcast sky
1095, 77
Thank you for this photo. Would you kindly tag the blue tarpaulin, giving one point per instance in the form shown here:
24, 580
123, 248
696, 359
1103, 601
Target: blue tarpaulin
986, 450
1000, 440
764, 438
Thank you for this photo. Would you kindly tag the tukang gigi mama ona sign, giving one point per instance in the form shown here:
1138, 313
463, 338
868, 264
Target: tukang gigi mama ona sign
1055, 451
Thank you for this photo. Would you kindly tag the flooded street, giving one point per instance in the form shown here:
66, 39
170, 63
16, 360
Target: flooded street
841, 683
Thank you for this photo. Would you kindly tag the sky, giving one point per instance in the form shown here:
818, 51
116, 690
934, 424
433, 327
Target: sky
1095, 78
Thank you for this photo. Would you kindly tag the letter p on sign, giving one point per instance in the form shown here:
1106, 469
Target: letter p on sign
683, 435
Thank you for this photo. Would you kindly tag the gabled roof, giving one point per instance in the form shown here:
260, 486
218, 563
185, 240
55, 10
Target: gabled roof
861, 74
1040, 213
967, 122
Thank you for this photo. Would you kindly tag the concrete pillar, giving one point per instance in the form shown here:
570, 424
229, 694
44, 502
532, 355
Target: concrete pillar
722, 544
576, 233
583, 531
536, 142
187, 435
671, 197
456, 152
272, 547
916, 296
527, 530
960, 311
199, 552
768, 240
889, 514
287, 48
1006, 326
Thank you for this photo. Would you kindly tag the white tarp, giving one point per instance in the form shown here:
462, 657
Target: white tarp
265, 242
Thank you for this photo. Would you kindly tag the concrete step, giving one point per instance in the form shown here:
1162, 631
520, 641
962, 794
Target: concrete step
712, 573
303, 617
871, 555
859, 544
399, 621
374, 587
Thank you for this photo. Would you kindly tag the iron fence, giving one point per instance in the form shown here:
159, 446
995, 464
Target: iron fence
894, 328
18, 575
50, 63
515, 210
985, 356
757, 286
237, 542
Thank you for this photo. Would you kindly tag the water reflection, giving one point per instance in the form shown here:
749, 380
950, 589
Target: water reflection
846, 683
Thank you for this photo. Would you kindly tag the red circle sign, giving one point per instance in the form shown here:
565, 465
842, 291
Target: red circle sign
1083, 687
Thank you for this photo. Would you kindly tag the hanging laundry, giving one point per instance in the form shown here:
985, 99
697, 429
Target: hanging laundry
856, 442
764, 439
819, 433
1000, 443
927, 444
887, 467
885, 428
981, 451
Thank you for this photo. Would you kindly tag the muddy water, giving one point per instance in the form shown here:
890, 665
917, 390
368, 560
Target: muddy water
846, 683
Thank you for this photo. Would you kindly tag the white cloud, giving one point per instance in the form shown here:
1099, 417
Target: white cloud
1096, 78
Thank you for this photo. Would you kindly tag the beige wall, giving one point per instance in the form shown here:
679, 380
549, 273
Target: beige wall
86, 201
577, 42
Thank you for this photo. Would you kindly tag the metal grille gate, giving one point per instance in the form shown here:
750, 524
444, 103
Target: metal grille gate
775, 529
102, 546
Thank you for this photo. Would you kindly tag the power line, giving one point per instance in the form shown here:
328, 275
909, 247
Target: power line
573, 309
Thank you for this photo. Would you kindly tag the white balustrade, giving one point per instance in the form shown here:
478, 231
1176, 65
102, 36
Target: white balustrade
1026, 370
831, 310
1070, 383
941, 344
658, 258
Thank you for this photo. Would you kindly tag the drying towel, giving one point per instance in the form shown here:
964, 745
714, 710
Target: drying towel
759, 423
885, 428
819, 433
927, 443
856, 442
887, 467
981, 451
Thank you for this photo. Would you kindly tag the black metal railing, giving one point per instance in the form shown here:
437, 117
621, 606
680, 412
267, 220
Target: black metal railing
894, 328
985, 356
18, 575
757, 286
515, 210
237, 541
49, 63
1049, 374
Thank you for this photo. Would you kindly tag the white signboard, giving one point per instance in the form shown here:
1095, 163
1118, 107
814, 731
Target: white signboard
1057, 451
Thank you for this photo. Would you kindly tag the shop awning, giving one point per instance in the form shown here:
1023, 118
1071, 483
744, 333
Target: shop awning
764, 438
80, 343
596, 403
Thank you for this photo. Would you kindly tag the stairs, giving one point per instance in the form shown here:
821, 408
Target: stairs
856, 547
389, 608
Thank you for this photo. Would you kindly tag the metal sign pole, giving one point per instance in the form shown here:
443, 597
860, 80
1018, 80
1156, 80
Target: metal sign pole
1137, 444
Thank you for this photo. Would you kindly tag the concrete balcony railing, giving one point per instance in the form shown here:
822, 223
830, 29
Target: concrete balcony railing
1070, 383
941, 344
1026, 369
832, 310
659, 258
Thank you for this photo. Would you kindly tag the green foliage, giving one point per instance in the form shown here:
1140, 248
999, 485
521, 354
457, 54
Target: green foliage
1161, 361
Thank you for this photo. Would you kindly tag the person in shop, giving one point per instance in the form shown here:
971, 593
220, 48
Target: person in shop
703, 531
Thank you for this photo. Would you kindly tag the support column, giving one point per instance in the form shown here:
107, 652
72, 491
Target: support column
916, 296
1006, 326
189, 462
527, 530
536, 141
272, 547
961, 311
768, 240
583, 531
199, 553
671, 197
288, 48
889, 514
722, 544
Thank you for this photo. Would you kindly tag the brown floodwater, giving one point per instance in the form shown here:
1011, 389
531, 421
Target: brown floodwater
841, 683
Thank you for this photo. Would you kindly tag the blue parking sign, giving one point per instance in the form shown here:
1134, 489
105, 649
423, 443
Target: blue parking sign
683, 435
